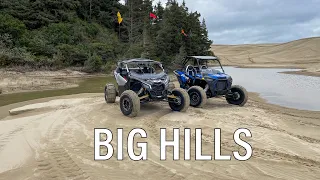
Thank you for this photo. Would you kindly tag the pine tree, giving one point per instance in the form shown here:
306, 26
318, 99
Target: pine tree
100, 11
38, 13
169, 38
179, 57
206, 43
139, 24
74, 29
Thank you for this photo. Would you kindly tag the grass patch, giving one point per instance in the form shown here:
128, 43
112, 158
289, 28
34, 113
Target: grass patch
88, 85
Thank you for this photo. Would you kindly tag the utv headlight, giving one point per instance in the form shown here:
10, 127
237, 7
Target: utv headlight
146, 85
209, 79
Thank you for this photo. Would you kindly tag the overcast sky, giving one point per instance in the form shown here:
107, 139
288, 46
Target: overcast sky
258, 21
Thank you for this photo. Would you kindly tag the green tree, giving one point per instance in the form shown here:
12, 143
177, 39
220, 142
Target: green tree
86, 32
205, 41
12, 26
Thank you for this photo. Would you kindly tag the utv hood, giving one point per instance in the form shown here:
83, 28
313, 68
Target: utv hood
216, 76
146, 77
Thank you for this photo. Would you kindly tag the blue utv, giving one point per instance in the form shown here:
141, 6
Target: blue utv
204, 77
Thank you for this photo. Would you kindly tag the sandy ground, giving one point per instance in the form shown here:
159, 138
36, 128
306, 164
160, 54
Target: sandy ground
302, 53
53, 139
14, 81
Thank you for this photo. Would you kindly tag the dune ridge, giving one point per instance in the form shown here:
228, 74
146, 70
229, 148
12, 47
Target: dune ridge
302, 53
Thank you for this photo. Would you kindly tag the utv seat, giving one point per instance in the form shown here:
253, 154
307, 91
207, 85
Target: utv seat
191, 73
204, 67
145, 70
123, 73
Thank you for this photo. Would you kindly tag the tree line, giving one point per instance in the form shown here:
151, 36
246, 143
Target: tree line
87, 34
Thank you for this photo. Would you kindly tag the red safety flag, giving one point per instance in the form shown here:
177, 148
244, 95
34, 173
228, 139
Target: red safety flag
153, 16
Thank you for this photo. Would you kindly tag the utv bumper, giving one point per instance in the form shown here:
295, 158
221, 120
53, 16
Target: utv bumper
220, 93
219, 87
158, 94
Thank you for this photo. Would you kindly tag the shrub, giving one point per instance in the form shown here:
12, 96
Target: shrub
59, 33
37, 43
73, 55
106, 51
93, 64
11, 25
109, 67
16, 57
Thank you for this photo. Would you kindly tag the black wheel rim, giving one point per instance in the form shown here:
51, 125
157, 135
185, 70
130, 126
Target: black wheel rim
194, 98
126, 104
177, 101
236, 96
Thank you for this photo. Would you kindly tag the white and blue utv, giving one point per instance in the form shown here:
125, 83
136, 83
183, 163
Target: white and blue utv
141, 81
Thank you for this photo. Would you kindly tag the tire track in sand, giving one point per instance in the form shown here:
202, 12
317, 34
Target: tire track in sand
303, 138
8, 137
58, 164
268, 154
55, 161
279, 156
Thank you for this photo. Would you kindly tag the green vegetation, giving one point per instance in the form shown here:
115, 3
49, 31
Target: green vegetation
88, 85
85, 33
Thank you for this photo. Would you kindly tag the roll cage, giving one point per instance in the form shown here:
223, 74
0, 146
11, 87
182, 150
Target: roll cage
139, 66
200, 61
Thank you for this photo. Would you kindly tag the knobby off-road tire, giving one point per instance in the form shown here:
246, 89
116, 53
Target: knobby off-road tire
242, 100
198, 97
171, 86
110, 93
129, 103
184, 100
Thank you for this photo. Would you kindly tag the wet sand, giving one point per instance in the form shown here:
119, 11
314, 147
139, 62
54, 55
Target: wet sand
54, 140
12, 81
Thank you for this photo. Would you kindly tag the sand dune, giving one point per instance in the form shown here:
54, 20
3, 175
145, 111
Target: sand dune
304, 53
54, 140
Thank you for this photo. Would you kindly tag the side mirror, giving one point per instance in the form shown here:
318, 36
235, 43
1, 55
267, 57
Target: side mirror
166, 71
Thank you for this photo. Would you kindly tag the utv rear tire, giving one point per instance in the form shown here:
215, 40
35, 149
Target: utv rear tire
184, 100
171, 86
198, 97
110, 93
129, 103
240, 101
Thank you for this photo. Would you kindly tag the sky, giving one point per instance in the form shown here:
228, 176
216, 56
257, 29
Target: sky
257, 21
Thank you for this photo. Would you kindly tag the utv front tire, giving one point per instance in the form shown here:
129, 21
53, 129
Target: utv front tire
198, 97
182, 102
240, 96
110, 93
129, 103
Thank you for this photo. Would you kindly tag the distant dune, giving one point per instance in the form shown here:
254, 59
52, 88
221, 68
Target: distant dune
303, 53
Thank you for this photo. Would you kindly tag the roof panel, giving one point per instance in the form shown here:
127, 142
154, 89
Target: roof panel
138, 60
205, 57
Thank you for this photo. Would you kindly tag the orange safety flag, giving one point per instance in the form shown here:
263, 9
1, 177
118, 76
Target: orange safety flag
182, 32
119, 17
